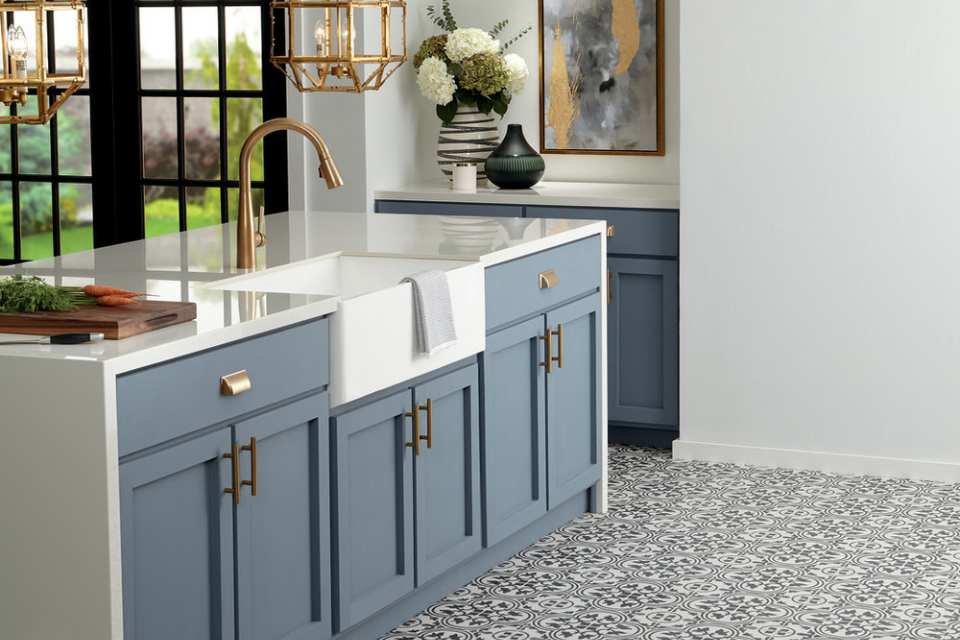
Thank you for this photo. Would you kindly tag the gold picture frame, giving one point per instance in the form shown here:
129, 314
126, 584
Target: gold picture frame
660, 136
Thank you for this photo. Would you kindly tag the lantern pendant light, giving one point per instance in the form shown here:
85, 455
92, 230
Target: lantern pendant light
22, 76
323, 51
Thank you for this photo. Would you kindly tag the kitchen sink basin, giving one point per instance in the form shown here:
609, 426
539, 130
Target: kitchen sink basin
373, 343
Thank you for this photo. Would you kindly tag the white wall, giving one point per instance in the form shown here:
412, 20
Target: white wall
820, 234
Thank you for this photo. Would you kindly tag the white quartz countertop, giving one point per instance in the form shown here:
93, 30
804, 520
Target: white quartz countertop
182, 266
552, 194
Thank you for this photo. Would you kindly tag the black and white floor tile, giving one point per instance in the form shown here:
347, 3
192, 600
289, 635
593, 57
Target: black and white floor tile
697, 551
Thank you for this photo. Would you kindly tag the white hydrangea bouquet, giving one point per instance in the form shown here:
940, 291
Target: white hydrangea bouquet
468, 67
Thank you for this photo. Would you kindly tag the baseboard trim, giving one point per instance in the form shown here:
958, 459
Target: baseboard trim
848, 464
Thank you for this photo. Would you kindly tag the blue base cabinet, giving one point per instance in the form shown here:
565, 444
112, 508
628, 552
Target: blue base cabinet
643, 248
407, 491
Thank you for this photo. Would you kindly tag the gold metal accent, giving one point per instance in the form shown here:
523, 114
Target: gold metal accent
609, 286
559, 357
233, 457
234, 384
415, 442
547, 350
17, 79
429, 409
611, 230
247, 241
260, 236
252, 482
548, 279
334, 63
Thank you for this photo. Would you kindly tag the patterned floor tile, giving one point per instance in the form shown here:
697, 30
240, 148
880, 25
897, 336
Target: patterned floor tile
699, 551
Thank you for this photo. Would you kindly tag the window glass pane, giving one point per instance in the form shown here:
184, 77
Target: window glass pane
73, 136
6, 221
5, 156
233, 202
161, 210
158, 48
36, 220
203, 207
159, 137
34, 143
243, 116
65, 34
202, 124
244, 69
201, 66
76, 218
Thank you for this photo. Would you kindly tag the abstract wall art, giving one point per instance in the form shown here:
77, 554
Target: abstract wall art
601, 77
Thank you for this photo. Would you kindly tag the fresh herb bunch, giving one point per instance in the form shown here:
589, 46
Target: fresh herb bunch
29, 295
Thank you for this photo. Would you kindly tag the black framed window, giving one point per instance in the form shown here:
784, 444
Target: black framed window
152, 145
46, 182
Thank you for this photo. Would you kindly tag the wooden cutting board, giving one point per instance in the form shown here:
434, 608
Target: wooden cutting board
115, 323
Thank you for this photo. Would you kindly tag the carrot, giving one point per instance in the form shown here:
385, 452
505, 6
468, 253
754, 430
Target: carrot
99, 291
115, 301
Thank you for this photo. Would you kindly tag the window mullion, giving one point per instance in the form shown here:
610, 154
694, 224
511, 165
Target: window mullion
222, 99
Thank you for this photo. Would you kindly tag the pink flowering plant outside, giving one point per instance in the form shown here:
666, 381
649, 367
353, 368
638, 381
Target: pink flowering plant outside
468, 66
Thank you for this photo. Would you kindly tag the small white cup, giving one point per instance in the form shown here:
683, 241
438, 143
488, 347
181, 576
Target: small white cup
465, 178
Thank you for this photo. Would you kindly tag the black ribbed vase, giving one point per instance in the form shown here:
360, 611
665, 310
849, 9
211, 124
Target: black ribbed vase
515, 164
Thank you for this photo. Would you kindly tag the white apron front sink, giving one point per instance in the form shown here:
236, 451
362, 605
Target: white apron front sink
372, 335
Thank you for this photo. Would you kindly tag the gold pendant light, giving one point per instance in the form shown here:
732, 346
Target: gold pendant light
330, 56
24, 74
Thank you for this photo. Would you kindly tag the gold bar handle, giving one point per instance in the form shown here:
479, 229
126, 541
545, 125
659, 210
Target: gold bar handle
548, 279
415, 443
609, 287
234, 384
548, 351
252, 482
429, 437
559, 357
234, 490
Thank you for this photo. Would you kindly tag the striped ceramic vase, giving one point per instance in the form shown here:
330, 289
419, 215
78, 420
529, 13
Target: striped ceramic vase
469, 138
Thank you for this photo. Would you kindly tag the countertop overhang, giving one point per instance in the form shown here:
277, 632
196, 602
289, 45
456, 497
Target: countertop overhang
182, 266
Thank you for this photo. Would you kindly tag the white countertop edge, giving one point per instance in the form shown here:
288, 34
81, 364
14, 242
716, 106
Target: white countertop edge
589, 195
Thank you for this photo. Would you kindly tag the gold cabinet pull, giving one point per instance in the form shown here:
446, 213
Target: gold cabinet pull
234, 489
252, 482
547, 350
609, 287
611, 230
234, 384
429, 437
559, 357
415, 443
548, 279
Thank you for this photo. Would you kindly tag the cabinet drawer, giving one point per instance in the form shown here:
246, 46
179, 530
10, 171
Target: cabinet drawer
176, 398
482, 210
513, 288
639, 232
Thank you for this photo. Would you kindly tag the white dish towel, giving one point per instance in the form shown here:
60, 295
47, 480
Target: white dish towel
433, 311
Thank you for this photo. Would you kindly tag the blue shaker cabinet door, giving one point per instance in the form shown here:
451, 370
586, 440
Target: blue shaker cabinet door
177, 542
283, 549
514, 430
448, 473
644, 341
573, 400
373, 508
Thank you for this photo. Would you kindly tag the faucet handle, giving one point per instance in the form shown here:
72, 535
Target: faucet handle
260, 238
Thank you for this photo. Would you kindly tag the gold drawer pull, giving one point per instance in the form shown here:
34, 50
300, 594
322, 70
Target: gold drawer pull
559, 358
611, 230
429, 437
234, 384
415, 442
609, 287
547, 351
252, 482
548, 279
234, 489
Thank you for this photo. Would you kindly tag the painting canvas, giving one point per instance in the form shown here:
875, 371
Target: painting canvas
601, 77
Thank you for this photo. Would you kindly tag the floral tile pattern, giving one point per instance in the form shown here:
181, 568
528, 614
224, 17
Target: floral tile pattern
698, 551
